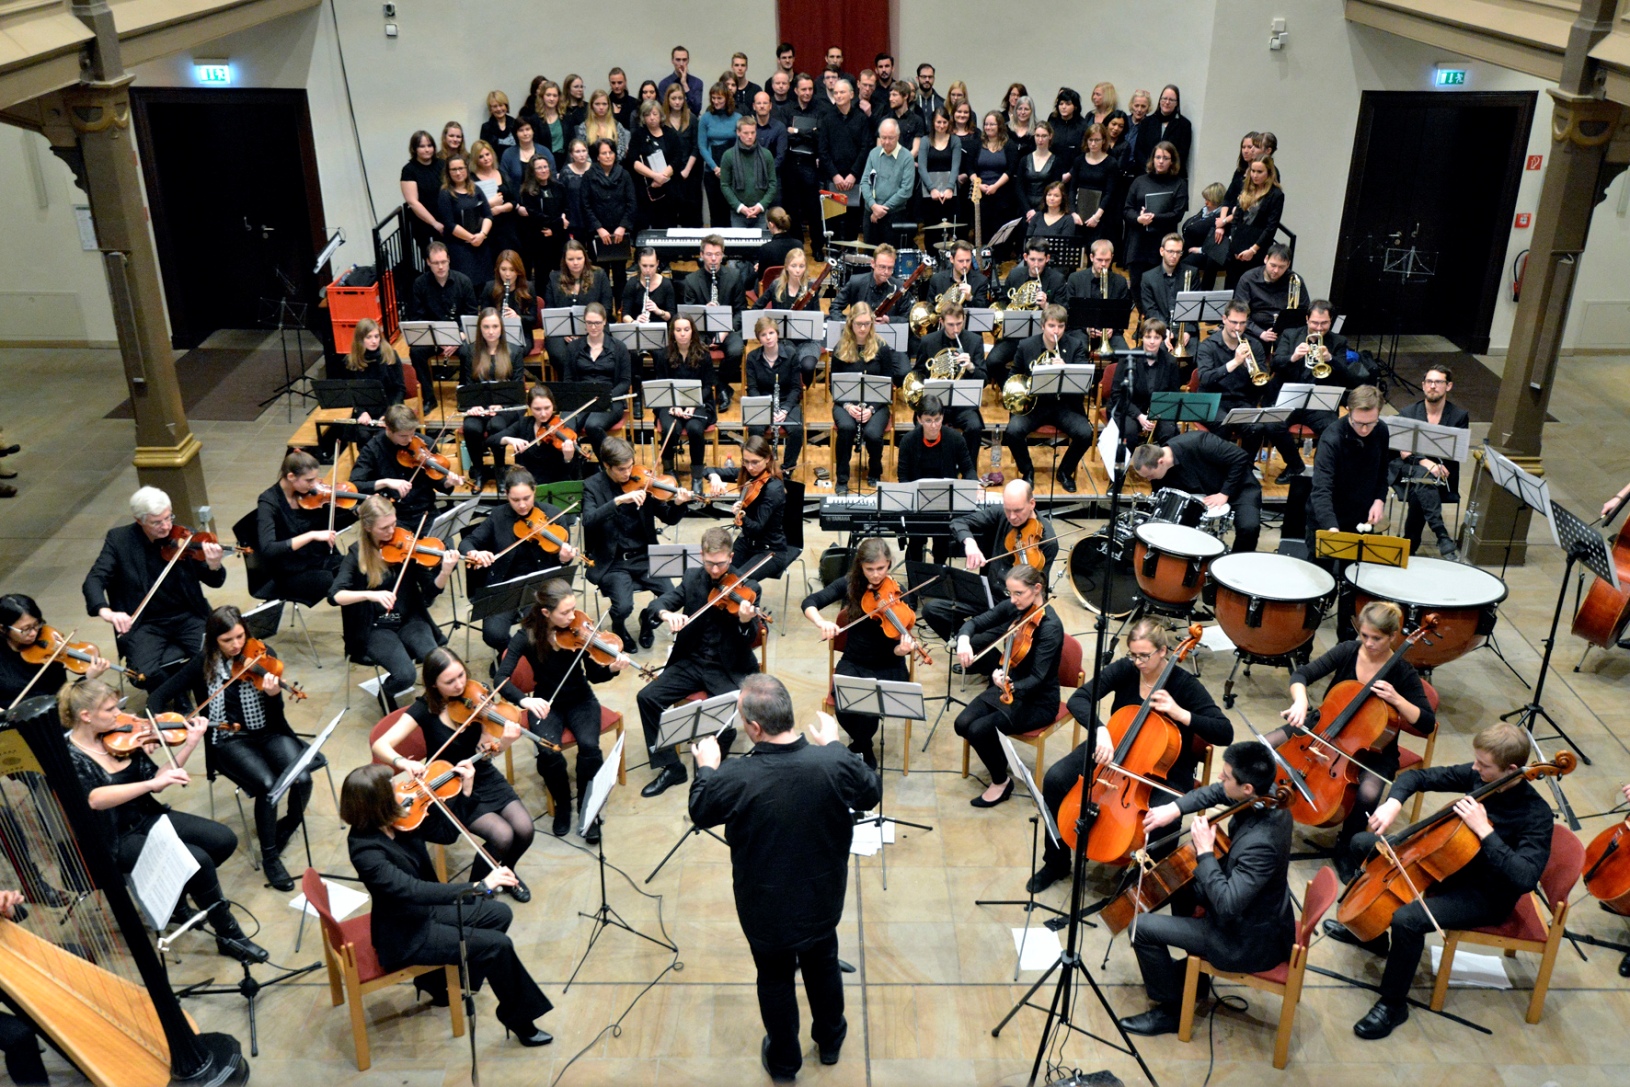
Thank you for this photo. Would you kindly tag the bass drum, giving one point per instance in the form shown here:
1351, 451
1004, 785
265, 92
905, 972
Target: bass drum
1098, 559
1464, 598
1269, 605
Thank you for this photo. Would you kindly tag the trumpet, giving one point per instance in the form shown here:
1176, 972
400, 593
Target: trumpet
1293, 293
1259, 376
1318, 355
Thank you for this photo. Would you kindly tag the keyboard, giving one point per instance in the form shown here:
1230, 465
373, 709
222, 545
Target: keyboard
681, 240
856, 512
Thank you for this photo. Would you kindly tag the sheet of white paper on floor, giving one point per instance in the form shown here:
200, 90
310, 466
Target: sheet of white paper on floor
1038, 950
371, 686
343, 901
1214, 639
1473, 971
869, 838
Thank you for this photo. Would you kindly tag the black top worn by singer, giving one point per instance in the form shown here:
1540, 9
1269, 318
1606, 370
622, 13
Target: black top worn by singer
1035, 678
1122, 679
786, 813
1245, 892
130, 563
715, 635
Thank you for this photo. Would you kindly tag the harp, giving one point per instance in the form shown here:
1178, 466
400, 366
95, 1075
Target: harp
81, 965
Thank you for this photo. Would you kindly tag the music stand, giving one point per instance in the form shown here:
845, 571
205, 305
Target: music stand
640, 336
1100, 313
981, 319
1193, 307
1274, 416
284, 314
1064, 252
949, 495
571, 395
1018, 324
561, 323
687, 723
673, 393
368, 396
1184, 407
674, 560
861, 388
1581, 544
512, 331
505, 598
495, 394
1069, 379
1042, 818
1370, 547
1528, 489
604, 917
710, 320
432, 334
791, 324
954, 393
1303, 396
967, 591
882, 699
757, 411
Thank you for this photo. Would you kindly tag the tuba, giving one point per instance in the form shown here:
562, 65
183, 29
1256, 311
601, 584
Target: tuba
1318, 355
942, 366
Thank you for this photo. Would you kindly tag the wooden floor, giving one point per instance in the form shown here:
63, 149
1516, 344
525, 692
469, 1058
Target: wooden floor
935, 970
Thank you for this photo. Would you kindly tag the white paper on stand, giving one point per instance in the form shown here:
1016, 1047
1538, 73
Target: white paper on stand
1040, 947
343, 901
161, 873
1473, 971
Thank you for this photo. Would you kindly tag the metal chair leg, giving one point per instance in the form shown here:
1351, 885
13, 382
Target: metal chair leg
306, 631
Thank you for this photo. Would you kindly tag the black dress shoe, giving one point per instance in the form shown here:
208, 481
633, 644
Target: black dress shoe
241, 948
592, 835
10, 449
1044, 878
830, 1053
1066, 482
648, 631
520, 892
1381, 1020
276, 875
532, 1036
667, 779
1160, 1019
764, 1059
563, 820
981, 802
1291, 472
1340, 933
1624, 966
435, 990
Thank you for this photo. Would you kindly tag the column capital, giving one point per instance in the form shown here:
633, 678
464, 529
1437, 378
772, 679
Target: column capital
178, 455
1582, 120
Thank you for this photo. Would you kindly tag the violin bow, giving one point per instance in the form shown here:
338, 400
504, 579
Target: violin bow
159, 734
898, 599
164, 573
691, 618
1008, 634
1385, 847
462, 830
62, 647
1057, 536
560, 421
333, 497
534, 533
230, 679
407, 559
1322, 742
1297, 781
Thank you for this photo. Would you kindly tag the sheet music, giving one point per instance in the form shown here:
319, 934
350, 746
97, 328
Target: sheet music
161, 872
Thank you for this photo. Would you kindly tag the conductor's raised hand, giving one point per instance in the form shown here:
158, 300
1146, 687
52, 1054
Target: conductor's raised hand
824, 730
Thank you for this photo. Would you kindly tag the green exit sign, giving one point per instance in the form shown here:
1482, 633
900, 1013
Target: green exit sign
212, 73
1451, 77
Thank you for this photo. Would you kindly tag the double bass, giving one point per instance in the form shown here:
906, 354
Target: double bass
1351, 722
1427, 852
1147, 745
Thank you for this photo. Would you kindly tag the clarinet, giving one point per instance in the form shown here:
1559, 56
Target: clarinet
775, 403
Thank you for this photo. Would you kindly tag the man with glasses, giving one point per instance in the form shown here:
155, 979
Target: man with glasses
1294, 358
712, 652
1225, 363
170, 630
1422, 481
982, 535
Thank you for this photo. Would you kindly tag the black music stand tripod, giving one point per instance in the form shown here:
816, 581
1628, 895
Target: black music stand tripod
880, 698
685, 724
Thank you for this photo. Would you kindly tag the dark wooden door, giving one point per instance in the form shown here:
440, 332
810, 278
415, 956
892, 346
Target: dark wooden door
1429, 210
859, 27
237, 211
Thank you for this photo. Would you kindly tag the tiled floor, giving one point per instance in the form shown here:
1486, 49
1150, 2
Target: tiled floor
935, 971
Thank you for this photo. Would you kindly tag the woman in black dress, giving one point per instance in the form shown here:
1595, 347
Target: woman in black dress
500, 194
655, 156
466, 221
1095, 169
677, 116
609, 208
421, 188
686, 359
1069, 126
121, 793
1380, 624
417, 920
560, 698
491, 359
548, 123
574, 104
577, 282
1039, 168
388, 625
1255, 219
491, 811
255, 757
573, 176
1184, 701
939, 161
761, 522
1250, 149
868, 653
966, 130
1034, 679
541, 206
1021, 126
21, 622
995, 164
293, 543
1145, 226
599, 357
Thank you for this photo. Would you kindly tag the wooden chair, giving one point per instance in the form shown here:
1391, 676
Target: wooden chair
1408, 760
1284, 979
1524, 930
610, 721
829, 703
354, 970
1069, 675
411, 747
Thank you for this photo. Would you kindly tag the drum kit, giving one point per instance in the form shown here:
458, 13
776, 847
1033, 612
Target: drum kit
1155, 555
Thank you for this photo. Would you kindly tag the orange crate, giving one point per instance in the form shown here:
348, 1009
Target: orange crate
353, 303
344, 333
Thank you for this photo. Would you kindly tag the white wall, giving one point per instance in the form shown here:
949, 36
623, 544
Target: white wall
1216, 50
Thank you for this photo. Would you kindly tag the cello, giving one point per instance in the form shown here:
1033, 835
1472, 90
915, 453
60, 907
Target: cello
1604, 613
1424, 853
1323, 753
1607, 868
1147, 745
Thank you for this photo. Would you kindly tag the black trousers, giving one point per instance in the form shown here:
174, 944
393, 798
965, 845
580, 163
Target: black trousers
1155, 935
623, 579
792, 443
944, 549
883, 230
1247, 509
478, 433
843, 445
802, 200
744, 552
306, 587
986, 717
254, 763
423, 358
209, 842
158, 647
695, 431
22, 1049
596, 424
1253, 438
972, 426
679, 679
491, 955
582, 716
778, 1000
1425, 505
1048, 413
1456, 903
863, 727
718, 208
399, 651
998, 359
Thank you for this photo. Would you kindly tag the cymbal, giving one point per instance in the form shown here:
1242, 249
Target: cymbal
945, 247
853, 245
944, 225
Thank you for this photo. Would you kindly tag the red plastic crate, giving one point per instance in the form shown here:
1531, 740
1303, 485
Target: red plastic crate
353, 303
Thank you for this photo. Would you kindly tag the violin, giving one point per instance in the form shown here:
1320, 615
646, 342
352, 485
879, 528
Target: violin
1019, 648
418, 455
133, 732
750, 490
542, 528
1358, 722
1024, 544
1120, 794
322, 494
602, 648
194, 548
885, 604
1428, 851
733, 592
660, 487
494, 713
412, 795
75, 656
1157, 881
427, 552
555, 435
1607, 868
257, 662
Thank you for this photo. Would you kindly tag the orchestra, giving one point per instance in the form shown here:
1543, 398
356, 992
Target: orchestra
391, 521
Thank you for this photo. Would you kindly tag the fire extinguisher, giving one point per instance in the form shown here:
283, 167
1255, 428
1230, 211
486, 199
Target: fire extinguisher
1518, 267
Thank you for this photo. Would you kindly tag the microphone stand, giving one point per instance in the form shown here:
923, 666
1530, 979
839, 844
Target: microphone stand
1060, 1013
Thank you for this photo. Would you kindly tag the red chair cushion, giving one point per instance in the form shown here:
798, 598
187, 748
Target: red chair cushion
1279, 975
1407, 758
1523, 924
608, 722
359, 935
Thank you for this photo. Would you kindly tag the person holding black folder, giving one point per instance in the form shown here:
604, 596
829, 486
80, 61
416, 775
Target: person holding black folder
492, 548
1155, 204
